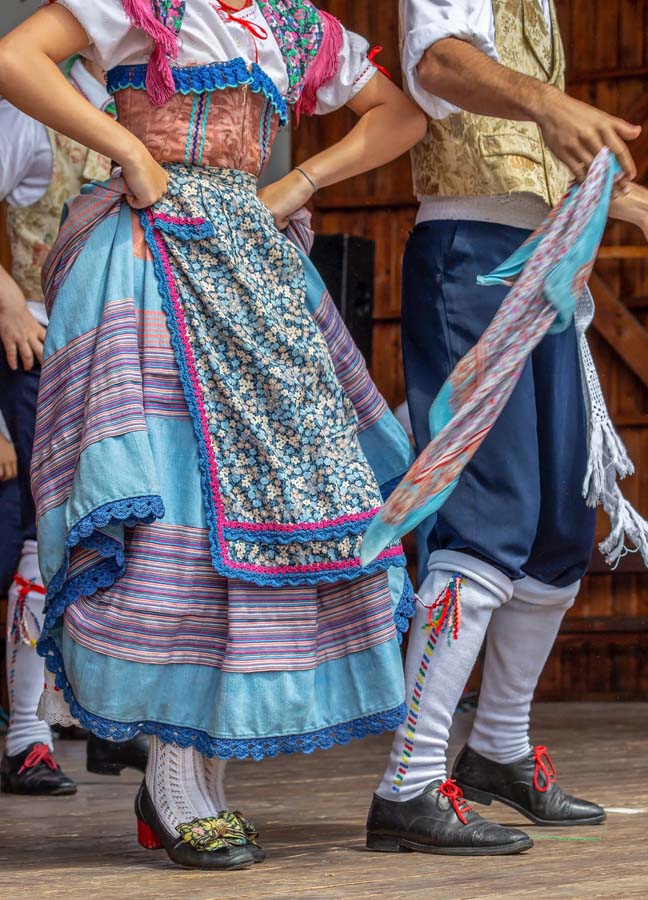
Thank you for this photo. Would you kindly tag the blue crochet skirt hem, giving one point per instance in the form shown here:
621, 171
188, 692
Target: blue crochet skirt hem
62, 591
205, 744
405, 609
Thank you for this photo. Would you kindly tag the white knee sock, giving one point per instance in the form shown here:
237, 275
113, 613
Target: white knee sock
215, 781
436, 671
519, 640
175, 779
25, 668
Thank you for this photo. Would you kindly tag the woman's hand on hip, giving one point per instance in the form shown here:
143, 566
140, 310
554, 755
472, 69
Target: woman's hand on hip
286, 196
145, 178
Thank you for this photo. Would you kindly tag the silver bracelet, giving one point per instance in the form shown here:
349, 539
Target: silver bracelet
307, 177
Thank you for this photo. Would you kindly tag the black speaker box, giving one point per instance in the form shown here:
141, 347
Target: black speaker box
346, 265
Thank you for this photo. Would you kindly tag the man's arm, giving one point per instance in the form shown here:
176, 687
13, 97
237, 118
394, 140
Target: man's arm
21, 335
21, 162
574, 131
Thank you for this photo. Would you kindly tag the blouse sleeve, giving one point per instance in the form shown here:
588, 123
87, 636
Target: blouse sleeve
110, 32
353, 74
25, 157
424, 22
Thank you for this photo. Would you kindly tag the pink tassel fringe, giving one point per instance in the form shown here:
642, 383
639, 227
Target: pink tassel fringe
324, 67
159, 78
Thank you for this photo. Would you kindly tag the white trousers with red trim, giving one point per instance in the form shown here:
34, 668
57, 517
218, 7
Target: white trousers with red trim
25, 668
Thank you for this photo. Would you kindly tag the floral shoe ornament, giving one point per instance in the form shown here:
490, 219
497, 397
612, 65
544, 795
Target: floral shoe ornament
227, 829
251, 834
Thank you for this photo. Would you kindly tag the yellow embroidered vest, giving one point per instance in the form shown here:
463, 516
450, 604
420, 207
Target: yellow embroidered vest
33, 229
468, 155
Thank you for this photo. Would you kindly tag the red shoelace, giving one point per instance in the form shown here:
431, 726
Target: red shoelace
543, 767
40, 753
451, 790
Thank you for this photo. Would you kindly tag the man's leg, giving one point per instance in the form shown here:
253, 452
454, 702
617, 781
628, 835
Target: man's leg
28, 766
499, 757
483, 534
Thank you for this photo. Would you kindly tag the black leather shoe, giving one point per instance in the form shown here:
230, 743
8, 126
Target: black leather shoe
528, 785
153, 835
439, 821
111, 758
35, 772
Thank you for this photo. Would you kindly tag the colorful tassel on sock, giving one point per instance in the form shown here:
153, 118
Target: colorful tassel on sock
444, 617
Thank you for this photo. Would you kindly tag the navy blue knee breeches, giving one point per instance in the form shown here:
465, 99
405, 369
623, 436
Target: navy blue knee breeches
519, 503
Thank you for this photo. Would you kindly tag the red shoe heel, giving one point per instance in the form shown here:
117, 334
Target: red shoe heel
146, 837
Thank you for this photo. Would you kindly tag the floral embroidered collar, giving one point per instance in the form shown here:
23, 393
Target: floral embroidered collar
170, 13
298, 30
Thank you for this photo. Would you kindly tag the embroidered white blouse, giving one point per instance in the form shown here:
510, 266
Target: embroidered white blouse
212, 34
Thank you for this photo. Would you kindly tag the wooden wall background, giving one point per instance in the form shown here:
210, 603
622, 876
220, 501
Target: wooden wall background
602, 651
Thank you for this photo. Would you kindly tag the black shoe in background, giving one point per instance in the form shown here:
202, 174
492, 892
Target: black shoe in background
34, 772
439, 821
70, 732
111, 758
528, 786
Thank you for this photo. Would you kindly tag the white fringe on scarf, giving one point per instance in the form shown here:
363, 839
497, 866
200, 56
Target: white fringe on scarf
608, 458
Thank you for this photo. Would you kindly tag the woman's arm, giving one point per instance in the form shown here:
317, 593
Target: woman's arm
389, 125
32, 81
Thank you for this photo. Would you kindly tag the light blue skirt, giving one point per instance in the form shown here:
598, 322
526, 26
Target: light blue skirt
210, 451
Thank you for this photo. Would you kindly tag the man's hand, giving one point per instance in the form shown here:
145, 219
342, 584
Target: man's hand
575, 132
8, 462
21, 335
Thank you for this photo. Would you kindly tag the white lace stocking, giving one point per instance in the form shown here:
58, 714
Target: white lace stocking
215, 781
175, 778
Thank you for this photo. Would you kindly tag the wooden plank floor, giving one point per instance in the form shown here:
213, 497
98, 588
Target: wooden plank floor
311, 811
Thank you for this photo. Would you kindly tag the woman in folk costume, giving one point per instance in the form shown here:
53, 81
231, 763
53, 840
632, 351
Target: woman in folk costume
209, 448
39, 170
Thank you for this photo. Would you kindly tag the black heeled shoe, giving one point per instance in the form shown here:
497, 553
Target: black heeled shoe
111, 758
34, 772
201, 844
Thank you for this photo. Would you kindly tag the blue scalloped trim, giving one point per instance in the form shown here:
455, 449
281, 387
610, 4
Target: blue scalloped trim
405, 609
232, 571
186, 232
217, 76
277, 536
61, 591
224, 748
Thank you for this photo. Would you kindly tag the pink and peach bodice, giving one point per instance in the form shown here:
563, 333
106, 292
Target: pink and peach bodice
231, 129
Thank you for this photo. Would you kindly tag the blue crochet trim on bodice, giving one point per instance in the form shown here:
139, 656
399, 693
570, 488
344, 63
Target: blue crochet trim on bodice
217, 76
